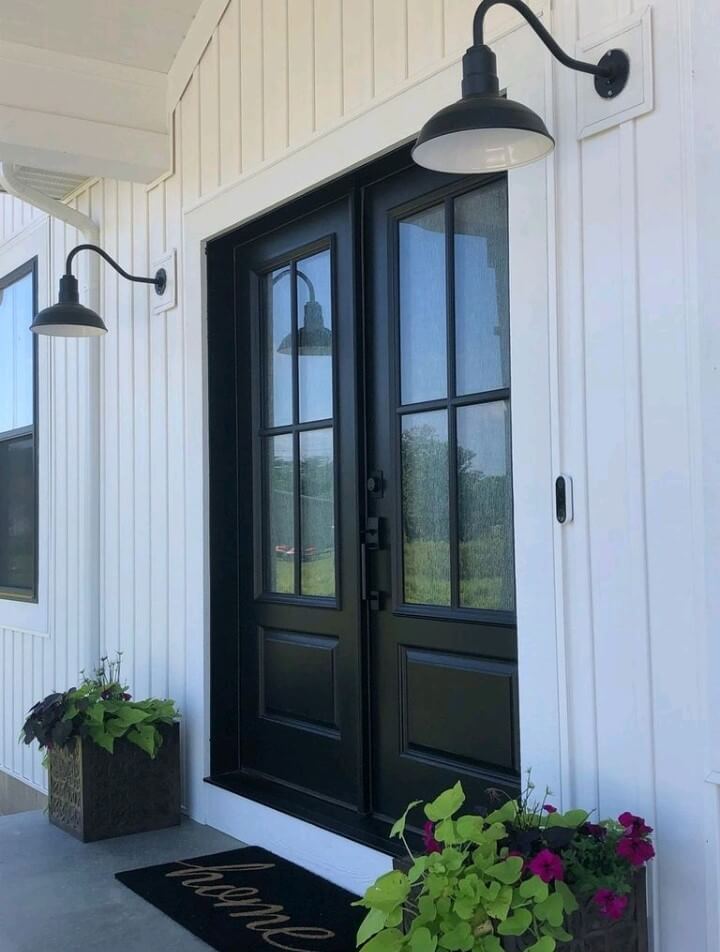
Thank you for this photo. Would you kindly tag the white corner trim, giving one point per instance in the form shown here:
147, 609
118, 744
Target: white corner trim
192, 48
633, 34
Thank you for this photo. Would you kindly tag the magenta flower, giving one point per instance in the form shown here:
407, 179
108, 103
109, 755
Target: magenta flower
634, 825
431, 844
636, 851
610, 904
547, 865
549, 808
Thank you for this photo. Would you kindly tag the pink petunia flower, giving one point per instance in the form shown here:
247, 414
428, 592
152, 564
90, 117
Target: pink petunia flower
547, 865
431, 844
636, 851
635, 825
610, 904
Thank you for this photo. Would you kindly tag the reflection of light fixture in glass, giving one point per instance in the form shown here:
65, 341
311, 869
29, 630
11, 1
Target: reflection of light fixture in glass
486, 132
313, 338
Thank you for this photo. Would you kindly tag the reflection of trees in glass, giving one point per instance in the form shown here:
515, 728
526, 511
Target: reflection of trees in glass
425, 514
317, 525
318, 522
17, 515
281, 516
484, 525
485, 537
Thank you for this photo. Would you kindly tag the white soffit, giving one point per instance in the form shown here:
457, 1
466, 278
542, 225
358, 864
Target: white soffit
56, 185
146, 34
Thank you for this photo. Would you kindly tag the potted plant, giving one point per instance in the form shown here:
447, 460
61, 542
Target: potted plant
113, 762
524, 878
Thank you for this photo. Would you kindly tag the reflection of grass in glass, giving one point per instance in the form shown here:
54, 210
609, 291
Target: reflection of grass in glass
427, 573
318, 575
482, 585
482, 581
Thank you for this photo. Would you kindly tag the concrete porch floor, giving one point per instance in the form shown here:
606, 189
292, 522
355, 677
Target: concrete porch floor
57, 893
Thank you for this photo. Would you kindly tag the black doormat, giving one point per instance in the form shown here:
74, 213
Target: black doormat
249, 900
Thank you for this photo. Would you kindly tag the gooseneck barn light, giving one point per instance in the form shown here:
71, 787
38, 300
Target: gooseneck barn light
485, 132
70, 318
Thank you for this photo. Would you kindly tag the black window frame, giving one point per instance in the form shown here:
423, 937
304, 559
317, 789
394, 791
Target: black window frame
444, 197
263, 431
7, 593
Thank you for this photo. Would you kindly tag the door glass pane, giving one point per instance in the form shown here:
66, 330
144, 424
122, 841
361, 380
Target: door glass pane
425, 522
16, 355
278, 348
485, 506
317, 512
314, 303
481, 290
423, 328
281, 514
17, 515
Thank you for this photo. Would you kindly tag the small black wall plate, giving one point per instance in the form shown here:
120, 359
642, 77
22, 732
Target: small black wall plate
611, 86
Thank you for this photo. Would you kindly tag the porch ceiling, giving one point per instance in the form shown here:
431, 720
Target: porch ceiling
145, 34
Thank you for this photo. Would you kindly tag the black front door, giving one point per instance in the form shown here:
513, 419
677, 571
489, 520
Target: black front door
443, 643
361, 510
300, 683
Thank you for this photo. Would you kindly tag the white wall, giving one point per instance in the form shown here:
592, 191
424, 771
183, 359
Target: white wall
634, 386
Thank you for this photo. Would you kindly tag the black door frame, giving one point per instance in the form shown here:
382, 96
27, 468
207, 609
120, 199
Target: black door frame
230, 453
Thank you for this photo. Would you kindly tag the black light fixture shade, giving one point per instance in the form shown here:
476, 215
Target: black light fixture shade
485, 132
482, 134
314, 339
70, 318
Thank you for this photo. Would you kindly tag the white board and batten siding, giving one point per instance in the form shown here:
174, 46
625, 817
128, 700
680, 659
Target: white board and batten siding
617, 667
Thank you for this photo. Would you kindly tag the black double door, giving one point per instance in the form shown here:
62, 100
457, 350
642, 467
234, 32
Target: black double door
371, 616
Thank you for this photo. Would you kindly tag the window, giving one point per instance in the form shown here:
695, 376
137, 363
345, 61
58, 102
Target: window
454, 402
298, 427
18, 435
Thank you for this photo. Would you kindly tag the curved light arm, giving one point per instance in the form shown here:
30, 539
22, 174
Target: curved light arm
159, 280
606, 72
300, 274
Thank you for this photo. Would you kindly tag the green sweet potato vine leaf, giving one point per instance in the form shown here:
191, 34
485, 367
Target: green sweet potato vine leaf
518, 872
101, 709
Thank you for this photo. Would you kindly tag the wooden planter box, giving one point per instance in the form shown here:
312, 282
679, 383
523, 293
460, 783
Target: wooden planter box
591, 931
95, 795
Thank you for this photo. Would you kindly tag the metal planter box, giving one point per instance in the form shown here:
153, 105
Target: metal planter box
95, 795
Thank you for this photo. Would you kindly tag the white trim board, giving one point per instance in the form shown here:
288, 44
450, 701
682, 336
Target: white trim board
355, 142
333, 857
192, 47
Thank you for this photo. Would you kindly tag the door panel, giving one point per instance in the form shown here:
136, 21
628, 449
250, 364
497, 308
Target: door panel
300, 678
443, 640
